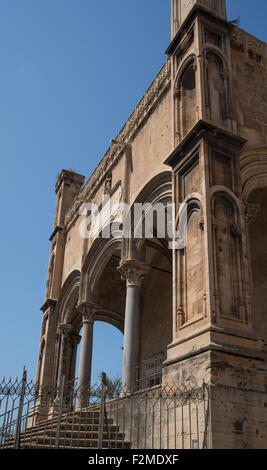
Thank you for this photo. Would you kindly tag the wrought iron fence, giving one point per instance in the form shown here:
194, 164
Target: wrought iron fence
70, 417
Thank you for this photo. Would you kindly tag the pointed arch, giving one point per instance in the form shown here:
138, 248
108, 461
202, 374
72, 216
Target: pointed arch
68, 298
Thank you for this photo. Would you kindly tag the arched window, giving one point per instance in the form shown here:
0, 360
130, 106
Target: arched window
187, 100
216, 91
228, 259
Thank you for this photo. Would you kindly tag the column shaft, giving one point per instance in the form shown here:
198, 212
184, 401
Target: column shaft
65, 329
131, 337
85, 364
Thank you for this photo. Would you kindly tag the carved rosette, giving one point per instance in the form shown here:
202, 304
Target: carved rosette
133, 272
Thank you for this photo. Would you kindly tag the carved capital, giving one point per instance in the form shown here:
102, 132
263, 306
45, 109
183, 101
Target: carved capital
250, 211
75, 340
88, 310
64, 329
133, 272
201, 223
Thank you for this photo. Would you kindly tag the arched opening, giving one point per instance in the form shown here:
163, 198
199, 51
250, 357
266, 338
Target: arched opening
156, 315
107, 352
258, 254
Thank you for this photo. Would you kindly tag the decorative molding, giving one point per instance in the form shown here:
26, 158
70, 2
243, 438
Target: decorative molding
153, 93
236, 230
252, 47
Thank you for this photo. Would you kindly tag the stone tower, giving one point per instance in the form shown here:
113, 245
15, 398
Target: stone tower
198, 136
216, 335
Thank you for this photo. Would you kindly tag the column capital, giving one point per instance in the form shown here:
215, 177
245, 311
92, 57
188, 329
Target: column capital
64, 329
75, 339
88, 311
251, 210
133, 272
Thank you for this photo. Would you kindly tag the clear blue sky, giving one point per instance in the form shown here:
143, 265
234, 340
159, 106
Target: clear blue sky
72, 71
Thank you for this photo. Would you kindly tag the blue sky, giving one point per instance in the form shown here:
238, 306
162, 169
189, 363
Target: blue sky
72, 71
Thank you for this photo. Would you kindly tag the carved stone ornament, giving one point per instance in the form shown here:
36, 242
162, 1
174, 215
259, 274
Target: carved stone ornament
88, 310
108, 183
133, 272
236, 230
250, 211
180, 316
201, 223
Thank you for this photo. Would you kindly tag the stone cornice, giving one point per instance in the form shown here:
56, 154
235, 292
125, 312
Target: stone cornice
69, 177
210, 132
57, 229
49, 303
144, 107
196, 10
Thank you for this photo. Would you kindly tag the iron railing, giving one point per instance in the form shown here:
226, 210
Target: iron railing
158, 417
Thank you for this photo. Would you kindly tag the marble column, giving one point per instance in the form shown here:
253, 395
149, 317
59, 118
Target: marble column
64, 331
74, 340
133, 273
85, 364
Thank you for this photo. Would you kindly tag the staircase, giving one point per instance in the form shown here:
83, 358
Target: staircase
78, 430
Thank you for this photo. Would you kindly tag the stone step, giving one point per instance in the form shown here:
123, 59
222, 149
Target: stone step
77, 430
82, 443
49, 447
85, 434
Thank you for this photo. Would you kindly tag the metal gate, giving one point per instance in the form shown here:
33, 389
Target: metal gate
160, 417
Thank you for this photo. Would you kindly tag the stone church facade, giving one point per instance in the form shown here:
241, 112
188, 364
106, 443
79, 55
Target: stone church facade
198, 136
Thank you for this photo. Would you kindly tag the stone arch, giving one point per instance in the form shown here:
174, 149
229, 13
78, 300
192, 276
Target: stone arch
190, 267
156, 294
68, 298
186, 93
97, 258
253, 165
228, 256
158, 191
66, 314
184, 64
